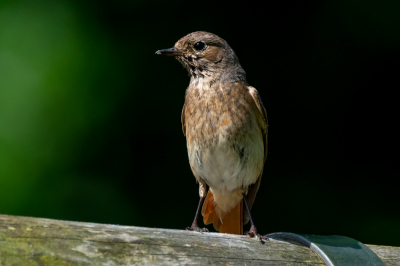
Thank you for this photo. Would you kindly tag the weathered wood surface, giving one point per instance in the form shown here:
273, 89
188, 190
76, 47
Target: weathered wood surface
36, 241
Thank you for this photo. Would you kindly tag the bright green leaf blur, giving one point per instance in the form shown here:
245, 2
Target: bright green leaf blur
50, 99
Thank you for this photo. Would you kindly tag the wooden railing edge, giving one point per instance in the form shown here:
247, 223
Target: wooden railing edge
40, 241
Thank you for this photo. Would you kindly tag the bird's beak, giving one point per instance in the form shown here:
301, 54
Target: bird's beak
171, 52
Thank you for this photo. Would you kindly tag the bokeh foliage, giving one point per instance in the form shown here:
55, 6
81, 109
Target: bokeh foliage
90, 117
60, 81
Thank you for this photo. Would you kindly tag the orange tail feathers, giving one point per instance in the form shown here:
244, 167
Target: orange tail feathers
232, 221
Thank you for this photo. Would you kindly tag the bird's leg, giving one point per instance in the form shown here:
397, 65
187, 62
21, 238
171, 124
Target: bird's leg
253, 230
195, 226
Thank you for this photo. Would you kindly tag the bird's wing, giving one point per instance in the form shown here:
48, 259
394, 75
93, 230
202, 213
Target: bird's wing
263, 113
252, 191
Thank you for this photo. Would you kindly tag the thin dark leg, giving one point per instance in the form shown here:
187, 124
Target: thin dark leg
253, 230
195, 226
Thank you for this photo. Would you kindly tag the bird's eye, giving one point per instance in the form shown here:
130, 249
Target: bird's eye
199, 46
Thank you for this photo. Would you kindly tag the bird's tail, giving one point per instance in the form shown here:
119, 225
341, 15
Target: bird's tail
230, 223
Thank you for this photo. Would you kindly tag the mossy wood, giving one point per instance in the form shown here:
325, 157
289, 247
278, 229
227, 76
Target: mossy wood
36, 241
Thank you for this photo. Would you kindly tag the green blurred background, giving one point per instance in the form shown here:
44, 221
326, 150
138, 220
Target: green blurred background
90, 117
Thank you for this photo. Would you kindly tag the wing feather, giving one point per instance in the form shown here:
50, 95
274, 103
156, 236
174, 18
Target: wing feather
252, 191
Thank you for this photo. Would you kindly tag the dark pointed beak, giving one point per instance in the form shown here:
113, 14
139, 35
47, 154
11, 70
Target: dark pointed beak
171, 52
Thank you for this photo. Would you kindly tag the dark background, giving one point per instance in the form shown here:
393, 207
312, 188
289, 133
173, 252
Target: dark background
90, 117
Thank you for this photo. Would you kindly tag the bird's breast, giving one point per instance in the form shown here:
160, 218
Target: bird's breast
218, 113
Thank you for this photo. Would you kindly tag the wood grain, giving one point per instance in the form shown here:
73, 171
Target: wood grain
37, 241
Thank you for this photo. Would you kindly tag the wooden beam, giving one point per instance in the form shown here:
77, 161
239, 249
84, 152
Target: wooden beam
36, 241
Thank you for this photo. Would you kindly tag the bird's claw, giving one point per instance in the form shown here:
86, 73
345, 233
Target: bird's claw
196, 228
253, 233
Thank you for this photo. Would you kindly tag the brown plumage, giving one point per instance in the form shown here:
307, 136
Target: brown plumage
225, 125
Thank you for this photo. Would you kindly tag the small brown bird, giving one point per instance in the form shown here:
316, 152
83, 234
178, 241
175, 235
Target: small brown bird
225, 124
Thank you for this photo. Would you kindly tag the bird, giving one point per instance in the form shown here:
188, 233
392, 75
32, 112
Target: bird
225, 124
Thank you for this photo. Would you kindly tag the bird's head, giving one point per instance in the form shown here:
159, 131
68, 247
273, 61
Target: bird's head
205, 54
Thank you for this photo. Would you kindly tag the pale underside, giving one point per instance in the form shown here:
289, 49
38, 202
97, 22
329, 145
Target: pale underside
222, 168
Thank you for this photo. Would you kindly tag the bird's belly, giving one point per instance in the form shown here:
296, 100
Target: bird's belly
229, 158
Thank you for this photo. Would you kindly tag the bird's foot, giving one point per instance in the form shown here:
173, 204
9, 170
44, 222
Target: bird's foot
253, 233
196, 228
